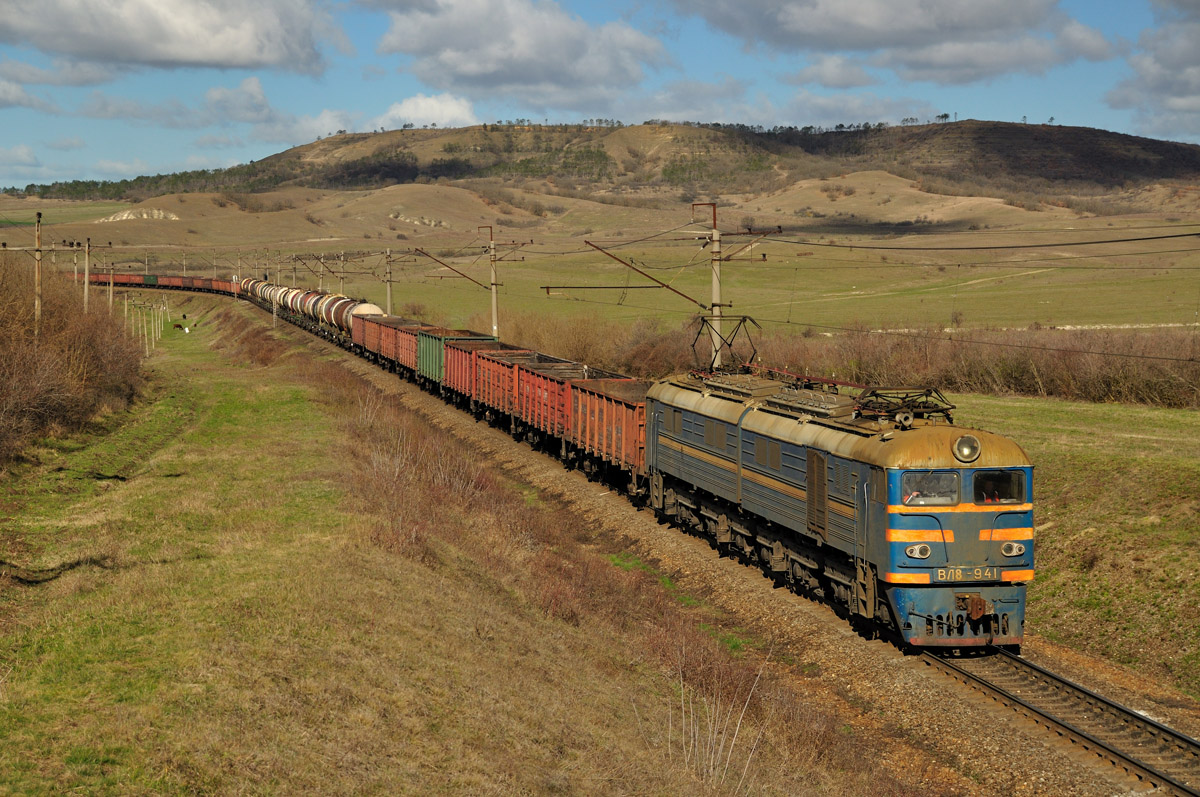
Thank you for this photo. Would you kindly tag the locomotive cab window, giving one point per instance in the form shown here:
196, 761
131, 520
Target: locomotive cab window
929, 488
999, 487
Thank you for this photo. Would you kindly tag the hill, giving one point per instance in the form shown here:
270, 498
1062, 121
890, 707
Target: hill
995, 159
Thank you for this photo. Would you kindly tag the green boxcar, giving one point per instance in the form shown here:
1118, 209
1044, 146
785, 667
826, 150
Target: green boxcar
431, 351
150, 279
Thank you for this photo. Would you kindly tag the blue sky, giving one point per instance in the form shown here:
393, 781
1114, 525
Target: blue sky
109, 89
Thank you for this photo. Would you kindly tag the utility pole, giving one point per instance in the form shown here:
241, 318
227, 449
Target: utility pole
87, 273
342, 275
293, 271
320, 272
715, 238
111, 269
37, 278
388, 272
185, 264
146, 257
492, 264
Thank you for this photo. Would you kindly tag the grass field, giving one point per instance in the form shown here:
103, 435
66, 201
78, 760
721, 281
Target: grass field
1117, 517
23, 212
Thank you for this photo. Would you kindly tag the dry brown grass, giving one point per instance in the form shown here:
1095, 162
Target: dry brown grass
79, 366
730, 721
1158, 367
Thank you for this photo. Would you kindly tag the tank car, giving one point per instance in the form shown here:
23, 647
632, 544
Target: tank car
330, 315
876, 501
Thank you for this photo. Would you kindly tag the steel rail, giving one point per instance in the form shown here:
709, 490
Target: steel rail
1140, 770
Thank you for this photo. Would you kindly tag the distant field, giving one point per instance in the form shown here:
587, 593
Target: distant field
817, 272
23, 212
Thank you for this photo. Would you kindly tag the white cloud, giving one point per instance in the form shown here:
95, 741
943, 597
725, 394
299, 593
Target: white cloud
698, 101
217, 142
20, 155
66, 144
444, 110
64, 73
834, 72
536, 53
970, 62
820, 110
293, 130
943, 41
120, 170
246, 103
832, 25
172, 114
1164, 91
280, 34
14, 96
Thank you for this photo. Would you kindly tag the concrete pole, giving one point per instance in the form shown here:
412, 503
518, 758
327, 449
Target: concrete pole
389, 281
87, 273
495, 299
716, 294
37, 277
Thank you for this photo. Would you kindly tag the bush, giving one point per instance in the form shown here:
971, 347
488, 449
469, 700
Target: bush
79, 366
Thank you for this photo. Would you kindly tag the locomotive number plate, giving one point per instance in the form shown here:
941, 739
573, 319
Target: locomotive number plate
968, 574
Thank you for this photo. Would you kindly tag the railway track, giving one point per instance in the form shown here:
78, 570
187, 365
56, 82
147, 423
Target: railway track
1148, 751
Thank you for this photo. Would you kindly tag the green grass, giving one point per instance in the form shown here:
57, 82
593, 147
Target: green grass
14, 213
102, 656
1117, 517
628, 561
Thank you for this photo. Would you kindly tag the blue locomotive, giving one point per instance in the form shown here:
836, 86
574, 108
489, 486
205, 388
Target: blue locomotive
875, 501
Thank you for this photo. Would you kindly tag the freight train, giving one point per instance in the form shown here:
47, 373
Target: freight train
871, 499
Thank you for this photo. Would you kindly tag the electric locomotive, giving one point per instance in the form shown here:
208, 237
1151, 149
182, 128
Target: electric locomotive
875, 501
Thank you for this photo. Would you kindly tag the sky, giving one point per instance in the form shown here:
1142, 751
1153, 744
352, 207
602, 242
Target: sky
112, 89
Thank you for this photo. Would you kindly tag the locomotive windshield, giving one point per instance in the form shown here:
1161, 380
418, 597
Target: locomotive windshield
929, 488
999, 487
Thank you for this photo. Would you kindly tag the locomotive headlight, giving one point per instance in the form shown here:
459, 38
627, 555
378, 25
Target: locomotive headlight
966, 448
918, 551
1012, 548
